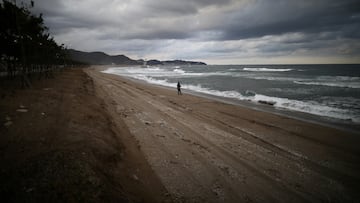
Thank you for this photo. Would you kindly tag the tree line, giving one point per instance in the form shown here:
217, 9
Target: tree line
26, 45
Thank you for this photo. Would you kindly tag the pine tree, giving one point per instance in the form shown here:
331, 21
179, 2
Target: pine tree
26, 45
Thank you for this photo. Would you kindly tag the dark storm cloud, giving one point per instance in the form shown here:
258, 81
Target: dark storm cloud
254, 19
141, 21
183, 7
64, 16
277, 17
219, 28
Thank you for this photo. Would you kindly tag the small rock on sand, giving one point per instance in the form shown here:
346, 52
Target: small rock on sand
22, 109
271, 103
8, 123
135, 177
29, 190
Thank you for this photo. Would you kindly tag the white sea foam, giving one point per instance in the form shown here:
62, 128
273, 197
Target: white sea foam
267, 69
311, 107
331, 84
233, 69
332, 81
178, 70
162, 72
339, 78
149, 75
270, 78
184, 73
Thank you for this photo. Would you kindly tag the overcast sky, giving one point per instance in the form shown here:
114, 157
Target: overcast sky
213, 31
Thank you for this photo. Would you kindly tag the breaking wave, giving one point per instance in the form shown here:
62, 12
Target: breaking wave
268, 69
160, 76
161, 72
332, 81
311, 107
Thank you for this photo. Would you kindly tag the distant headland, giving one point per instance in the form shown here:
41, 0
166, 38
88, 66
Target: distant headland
101, 58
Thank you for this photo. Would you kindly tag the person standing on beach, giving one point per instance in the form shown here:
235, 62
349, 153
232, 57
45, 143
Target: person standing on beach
179, 88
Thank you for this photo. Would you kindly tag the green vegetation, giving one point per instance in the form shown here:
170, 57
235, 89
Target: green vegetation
26, 46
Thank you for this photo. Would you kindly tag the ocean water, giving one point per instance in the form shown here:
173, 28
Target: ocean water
328, 91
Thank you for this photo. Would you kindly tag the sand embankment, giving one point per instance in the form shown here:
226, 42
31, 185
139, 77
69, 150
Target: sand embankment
58, 144
207, 151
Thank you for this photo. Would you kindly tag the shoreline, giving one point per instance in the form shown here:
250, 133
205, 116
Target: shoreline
297, 115
335, 123
205, 150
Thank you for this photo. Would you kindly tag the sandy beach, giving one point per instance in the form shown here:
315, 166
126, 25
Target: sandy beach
91, 108
204, 150
87, 136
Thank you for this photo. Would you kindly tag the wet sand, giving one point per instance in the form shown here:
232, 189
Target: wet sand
203, 150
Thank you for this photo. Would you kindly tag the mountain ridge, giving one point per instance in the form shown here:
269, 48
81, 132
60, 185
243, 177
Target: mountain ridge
101, 58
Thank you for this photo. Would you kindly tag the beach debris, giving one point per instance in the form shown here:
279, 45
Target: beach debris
147, 123
46, 89
271, 103
135, 177
173, 162
158, 135
29, 190
8, 123
138, 144
43, 114
22, 109
218, 191
120, 109
186, 140
177, 134
166, 194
